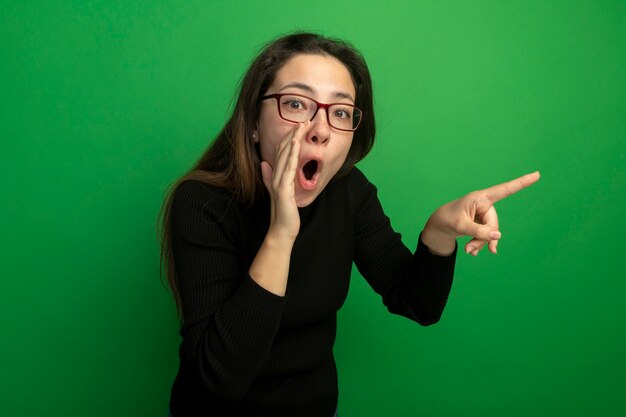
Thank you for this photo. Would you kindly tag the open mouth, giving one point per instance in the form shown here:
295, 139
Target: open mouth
309, 169
309, 174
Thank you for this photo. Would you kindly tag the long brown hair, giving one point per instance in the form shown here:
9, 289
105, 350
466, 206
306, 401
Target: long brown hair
232, 161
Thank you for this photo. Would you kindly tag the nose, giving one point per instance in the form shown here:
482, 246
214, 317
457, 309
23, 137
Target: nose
319, 133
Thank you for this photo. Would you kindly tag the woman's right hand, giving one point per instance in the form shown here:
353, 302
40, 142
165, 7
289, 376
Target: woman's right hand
280, 182
270, 267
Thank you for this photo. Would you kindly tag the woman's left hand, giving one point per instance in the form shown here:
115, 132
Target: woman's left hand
472, 215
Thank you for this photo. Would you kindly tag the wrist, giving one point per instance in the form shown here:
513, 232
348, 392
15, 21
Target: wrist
279, 241
438, 243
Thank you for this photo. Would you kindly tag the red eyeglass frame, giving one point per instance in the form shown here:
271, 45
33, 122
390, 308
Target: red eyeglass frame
324, 106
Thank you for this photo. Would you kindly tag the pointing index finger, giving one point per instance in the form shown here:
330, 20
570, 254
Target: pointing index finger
501, 191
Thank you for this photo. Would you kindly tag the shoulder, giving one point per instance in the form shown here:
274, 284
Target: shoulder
354, 178
197, 190
352, 189
198, 201
357, 185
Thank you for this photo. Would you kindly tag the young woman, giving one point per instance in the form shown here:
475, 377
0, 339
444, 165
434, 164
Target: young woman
260, 236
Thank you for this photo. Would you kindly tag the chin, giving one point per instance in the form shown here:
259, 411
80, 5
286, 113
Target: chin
303, 201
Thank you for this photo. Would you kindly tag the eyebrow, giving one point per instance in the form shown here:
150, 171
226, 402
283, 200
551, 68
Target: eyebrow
308, 88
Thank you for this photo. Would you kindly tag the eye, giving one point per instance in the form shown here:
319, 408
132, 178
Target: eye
342, 113
293, 104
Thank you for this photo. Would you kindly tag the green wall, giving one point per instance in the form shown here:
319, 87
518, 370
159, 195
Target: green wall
105, 103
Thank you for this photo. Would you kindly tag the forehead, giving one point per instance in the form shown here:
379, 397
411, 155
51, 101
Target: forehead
324, 74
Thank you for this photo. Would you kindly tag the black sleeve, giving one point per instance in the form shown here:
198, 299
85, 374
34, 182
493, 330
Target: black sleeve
229, 321
412, 285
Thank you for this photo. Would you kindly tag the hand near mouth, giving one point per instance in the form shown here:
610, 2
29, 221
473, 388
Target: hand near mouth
270, 267
280, 182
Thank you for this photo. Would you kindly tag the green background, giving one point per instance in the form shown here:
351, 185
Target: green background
105, 103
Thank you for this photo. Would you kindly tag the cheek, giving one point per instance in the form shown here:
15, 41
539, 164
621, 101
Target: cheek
270, 136
343, 152
265, 135
338, 158
266, 153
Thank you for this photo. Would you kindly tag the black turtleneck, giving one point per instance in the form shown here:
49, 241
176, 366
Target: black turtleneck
248, 352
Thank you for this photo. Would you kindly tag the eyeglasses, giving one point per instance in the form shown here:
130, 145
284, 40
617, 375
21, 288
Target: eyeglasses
297, 108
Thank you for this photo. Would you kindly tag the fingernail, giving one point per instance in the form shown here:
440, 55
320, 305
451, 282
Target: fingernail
494, 234
475, 252
469, 249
